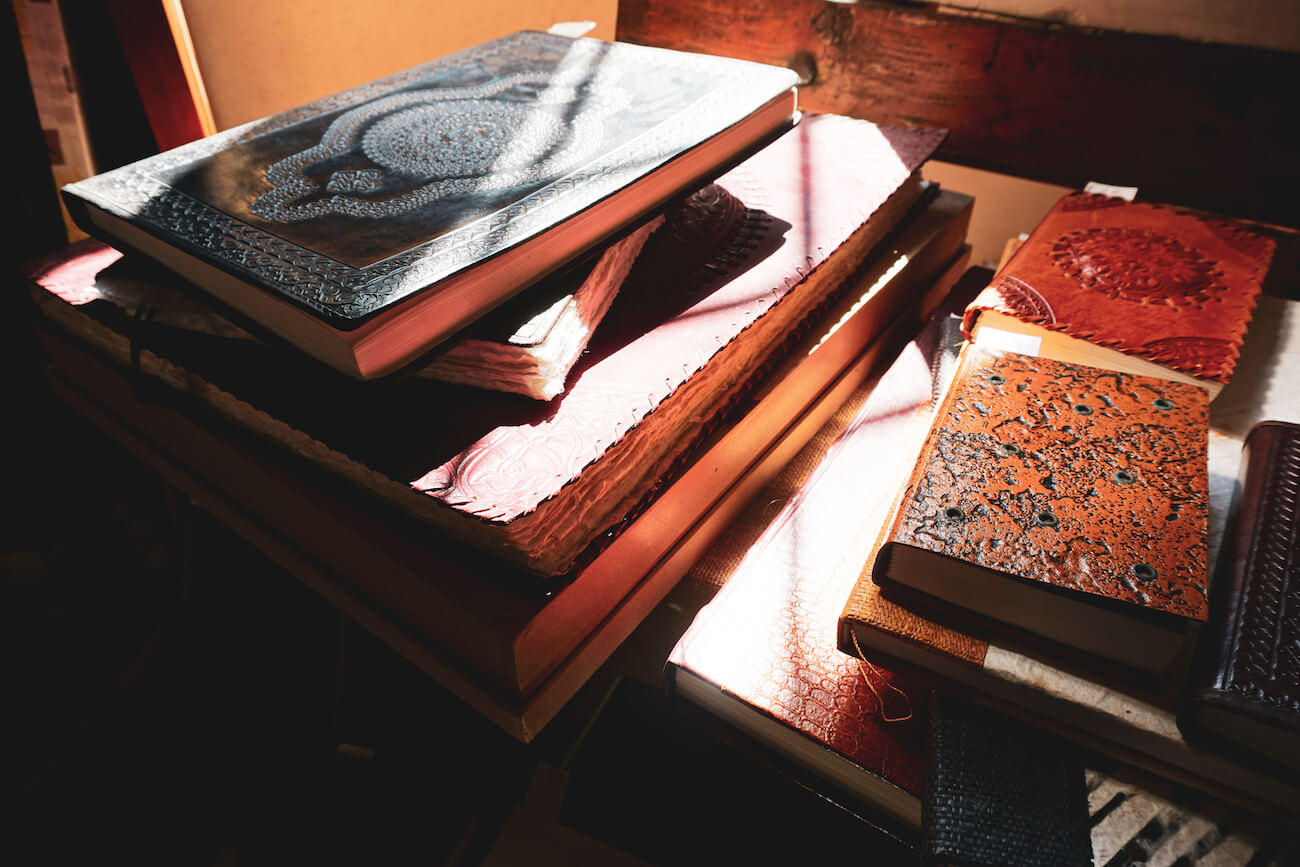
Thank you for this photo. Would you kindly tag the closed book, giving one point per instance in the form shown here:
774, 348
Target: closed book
1246, 692
1133, 286
761, 655
703, 311
510, 644
1062, 505
1135, 726
369, 226
1000, 793
526, 346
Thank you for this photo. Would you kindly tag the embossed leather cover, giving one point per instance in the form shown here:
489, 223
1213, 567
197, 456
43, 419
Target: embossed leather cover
1154, 281
713, 298
1087, 484
1251, 657
1001, 793
1133, 725
344, 208
527, 346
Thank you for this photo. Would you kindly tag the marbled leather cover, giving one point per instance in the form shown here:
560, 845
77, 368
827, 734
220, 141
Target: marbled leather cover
1251, 664
1001, 793
1171, 286
1093, 483
354, 202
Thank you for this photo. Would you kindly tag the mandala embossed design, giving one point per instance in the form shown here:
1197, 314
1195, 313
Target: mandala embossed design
1138, 265
139, 192
439, 142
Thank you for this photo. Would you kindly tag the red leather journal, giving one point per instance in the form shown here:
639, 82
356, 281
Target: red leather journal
1131, 286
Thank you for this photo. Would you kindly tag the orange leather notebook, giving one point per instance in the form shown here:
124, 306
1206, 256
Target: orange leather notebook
1063, 505
1132, 286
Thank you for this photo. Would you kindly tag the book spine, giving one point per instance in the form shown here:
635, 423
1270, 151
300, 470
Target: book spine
880, 565
1242, 657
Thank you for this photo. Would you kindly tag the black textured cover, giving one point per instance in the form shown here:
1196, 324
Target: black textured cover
996, 791
1250, 662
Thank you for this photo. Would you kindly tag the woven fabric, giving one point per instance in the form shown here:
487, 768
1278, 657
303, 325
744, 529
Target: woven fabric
998, 792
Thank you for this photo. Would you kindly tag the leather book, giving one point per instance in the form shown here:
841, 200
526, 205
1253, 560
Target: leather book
1246, 696
1116, 719
369, 226
1134, 286
526, 346
499, 624
705, 309
1063, 505
761, 655
1000, 793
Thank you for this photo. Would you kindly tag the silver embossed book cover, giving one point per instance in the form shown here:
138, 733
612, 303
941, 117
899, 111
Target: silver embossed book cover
369, 226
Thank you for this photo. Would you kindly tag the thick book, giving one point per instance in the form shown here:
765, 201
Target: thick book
527, 346
530, 344
1135, 726
998, 792
512, 646
1246, 691
369, 226
1062, 505
761, 655
701, 313
1132, 286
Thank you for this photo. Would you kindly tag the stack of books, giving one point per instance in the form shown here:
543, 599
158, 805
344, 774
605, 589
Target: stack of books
491, 348
1035, 533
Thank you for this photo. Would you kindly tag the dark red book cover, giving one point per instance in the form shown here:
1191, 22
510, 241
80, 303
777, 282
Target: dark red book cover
1168, 285
1246, 696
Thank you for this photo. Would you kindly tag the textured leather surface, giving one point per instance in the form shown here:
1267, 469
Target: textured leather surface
868, 610
1089, 481
1150, 280
768, 637
999, 792
343, 206
636, 399
717, 293
1254, 648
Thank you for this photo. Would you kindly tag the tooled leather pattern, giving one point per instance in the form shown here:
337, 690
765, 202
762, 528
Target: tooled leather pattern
510, 471
1149, 280
1193, 353
1024, 301
1090, 480
1080, 201
1265, 665
1138, 265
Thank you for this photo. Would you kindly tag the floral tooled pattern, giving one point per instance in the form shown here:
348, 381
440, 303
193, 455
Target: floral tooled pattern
1201, 356
1023, 301
1138, 265
705, 219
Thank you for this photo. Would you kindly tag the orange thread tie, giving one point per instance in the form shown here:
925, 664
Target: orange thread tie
863, 665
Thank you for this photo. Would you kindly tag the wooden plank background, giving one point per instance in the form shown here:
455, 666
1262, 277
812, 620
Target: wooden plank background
1190, 123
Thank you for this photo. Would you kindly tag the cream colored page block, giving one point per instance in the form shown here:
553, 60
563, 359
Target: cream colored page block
257, 58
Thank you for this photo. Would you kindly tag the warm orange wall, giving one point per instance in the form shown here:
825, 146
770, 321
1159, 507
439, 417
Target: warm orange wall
257, 57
